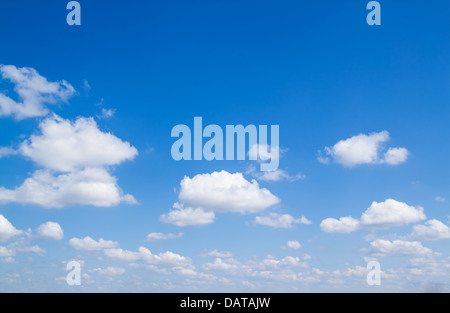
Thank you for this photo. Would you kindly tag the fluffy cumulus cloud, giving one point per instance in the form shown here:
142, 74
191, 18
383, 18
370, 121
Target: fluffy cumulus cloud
75, 157
203, 195
391, 213
346, 224
277, 220
7, 230
379, 215
431, 230
92, 186
395, 156
293, 245
364, 149
34, 93
65, 146
383, 247
89, 244
185, 216
225, 192
50, 230
23, 243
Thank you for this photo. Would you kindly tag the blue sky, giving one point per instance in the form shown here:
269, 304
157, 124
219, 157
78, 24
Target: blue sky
363, 114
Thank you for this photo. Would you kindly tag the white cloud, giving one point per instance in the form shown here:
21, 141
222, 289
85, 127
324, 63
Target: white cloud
360, 149
182, 216
50, 230
86, 85
364, 149
107, 113
439, 199
278, 175
248, 284
271, 267
343, 225
6, 151
222, 265
65, 146
145, 255
185, 271
385, 214
109, 271
280, 220
7, 230
391, 213
432, 230
7, 260
102, 102
428, 266
383, 247
225, 192
86, 279
264, 152
271, 262
82, 153
395, 156
92, 186
161, 236
124, 255
34, 92
293, 245
204, 194
323, 159
216, 254
5, 252
34, 249
89, 244
348, 273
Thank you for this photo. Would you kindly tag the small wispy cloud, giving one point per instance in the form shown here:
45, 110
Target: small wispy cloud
106, 113
101, 103
162, 236
216, 254
4, 151
86, 86
277, 220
